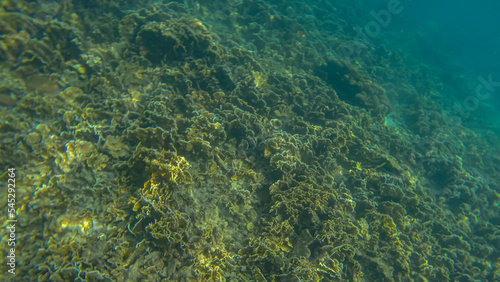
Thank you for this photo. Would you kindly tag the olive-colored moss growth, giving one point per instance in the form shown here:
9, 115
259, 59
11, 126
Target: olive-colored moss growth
231, 141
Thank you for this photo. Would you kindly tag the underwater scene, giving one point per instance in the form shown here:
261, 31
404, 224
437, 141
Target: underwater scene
249, 140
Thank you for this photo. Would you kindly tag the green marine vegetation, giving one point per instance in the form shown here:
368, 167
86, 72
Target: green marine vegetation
184, 142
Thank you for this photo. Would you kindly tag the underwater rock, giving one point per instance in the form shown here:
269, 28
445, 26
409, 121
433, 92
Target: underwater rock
353, 87
176, 41
232, 141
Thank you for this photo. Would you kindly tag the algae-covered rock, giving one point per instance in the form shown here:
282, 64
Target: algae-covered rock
176, 40
234, 141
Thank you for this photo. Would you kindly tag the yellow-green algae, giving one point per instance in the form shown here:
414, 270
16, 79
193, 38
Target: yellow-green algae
153, 144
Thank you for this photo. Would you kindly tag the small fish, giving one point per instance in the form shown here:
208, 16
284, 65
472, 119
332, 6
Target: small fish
42, 84
6, 100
